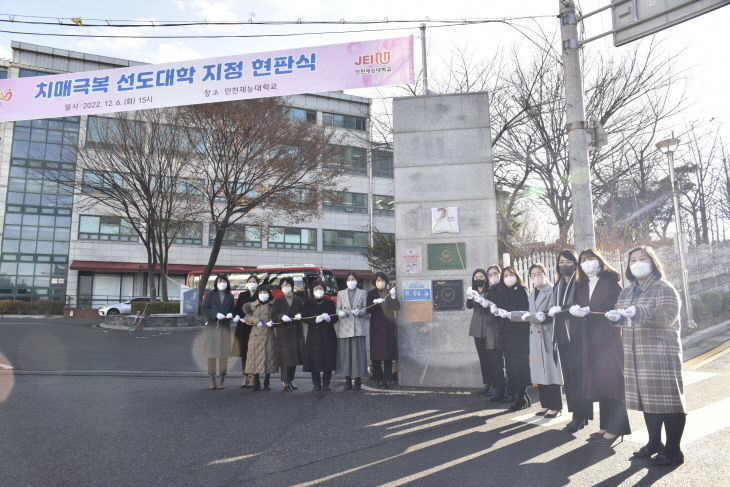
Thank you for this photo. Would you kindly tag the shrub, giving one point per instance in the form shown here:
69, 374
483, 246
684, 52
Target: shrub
18, 307
155, 307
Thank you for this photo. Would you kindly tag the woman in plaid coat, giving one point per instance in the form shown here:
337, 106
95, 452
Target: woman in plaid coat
648, 311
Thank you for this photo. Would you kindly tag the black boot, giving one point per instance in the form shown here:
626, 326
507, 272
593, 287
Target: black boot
292, 371
326, 376
348, 383
357, 385
316, 382
256, 383
267, 382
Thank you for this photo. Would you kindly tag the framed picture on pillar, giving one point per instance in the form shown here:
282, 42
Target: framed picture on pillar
448, 295
446, 256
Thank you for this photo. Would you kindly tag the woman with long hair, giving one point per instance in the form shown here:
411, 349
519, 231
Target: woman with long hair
476, 294
288, 332
218, 307
352, 330
243, 331
383, 305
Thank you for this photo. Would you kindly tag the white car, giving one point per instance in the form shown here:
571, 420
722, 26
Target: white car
121, 308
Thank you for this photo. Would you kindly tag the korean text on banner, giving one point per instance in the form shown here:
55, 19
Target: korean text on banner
277, 73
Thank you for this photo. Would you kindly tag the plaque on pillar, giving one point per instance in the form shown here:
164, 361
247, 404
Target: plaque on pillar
446, 256
448, 295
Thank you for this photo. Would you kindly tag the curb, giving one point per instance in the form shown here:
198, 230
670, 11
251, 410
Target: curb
694, 339
149, 328
34, 317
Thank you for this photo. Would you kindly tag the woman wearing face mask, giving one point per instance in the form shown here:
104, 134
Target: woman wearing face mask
261, 355
476, 298
352, 360
597, 290
544, 364
240, 339
383, 305
320, 351
515, 336
568, 340
287, 313
648, 311
493, 336
218, 307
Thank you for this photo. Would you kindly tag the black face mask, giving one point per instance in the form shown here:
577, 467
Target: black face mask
479, 283
567, 270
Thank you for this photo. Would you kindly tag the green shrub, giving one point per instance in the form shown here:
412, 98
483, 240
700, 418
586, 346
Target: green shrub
155, 307
710, 305
18, 307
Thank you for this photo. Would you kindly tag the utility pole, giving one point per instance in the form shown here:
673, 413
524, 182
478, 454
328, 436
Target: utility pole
580, 174
423, 58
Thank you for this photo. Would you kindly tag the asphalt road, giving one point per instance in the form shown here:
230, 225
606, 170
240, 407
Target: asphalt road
87, 406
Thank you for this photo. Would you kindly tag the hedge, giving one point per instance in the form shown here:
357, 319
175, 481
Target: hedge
155, 307
18, 307
711, 305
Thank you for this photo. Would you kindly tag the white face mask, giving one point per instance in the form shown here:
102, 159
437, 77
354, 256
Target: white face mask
252, 286
538, 281
494, 280
591, 267
640, 269
510, 281
222, 286
286, 290
318, 293
380, 285
264, 297
351, 284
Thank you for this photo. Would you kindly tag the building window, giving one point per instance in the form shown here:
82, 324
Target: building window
345, 201
112, 228
382, 164
292, 238
383, 205
237, 236
300, 114
343, 121
191, 233
344, 240
103, 131
353, 160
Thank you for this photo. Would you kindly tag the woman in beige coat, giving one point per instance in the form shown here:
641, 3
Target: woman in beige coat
261, 356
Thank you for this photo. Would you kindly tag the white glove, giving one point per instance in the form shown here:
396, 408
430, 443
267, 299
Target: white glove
229, 316
378, 301
525, 317
326, 317
298, 316
554, 310
493, 308
236, 319
576, 310
469, 293
540, 316
269, 323
504, 313
356, 312
285, 318
341, 313
478, 298
392, 292
613, 315
318, 319
259, 324
220, 316
630, 311
485, 303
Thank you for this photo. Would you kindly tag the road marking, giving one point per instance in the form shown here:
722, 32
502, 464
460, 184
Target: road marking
223, 461
402, 418
6, 367
708, 356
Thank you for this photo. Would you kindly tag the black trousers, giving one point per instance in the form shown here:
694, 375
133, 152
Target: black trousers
550, 396
517, 364
481, 344
326, 377
674, 427
496, 370
571, 361
613, 416
287, 373
380, 374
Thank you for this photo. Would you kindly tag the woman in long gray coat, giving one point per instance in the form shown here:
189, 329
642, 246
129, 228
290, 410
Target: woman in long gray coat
648, 310
545, 368
352, 330
218, 307
261, 356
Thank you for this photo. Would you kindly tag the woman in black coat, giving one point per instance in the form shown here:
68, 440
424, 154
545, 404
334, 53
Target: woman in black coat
320, 350
243, 331
286, 313
515, 336
218, 308
383, 305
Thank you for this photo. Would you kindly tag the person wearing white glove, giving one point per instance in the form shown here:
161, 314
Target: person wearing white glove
383, 343
597, 290
243, 332
341, 313
218, 307
289, 336
470, 293
261, 354
614, 315
515, 337
655, 381
320, 357
352, 330
494, 309
479, 324
554, 310
236, 319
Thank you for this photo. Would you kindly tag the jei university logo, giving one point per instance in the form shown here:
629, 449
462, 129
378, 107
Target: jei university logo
373, 63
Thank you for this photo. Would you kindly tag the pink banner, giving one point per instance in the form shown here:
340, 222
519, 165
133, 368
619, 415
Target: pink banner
277, 73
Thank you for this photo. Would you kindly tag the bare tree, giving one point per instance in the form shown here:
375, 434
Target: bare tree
257, 165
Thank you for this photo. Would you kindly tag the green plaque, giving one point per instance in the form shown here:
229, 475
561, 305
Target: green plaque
447, 256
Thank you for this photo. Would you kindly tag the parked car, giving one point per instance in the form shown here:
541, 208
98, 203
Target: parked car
121, 308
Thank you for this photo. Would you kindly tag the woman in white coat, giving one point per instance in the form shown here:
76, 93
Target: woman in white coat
352, 330
545, 370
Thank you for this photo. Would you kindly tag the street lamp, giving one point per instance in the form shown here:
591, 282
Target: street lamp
668, 146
